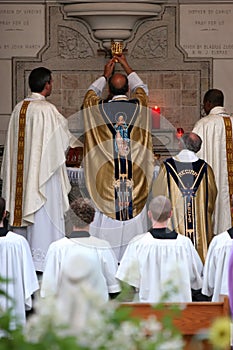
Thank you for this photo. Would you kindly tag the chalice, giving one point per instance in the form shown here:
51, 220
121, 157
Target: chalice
116, 48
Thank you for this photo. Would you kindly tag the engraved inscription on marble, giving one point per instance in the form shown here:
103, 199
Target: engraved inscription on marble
22, 30
71, 44
206, 30
152, 44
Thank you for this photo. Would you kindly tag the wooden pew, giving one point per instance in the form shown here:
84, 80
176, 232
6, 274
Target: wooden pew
194, 317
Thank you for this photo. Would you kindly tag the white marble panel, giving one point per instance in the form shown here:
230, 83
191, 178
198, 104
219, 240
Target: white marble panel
222, 79
22, 30
4, 120
206, 30
5, 95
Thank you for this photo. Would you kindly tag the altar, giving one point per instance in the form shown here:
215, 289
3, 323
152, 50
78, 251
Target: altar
77, 181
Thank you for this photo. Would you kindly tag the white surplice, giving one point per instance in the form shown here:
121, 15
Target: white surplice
211, 129
118, 233
45, 181
215, 275
17, 266
82, 290
57, 254
155, 266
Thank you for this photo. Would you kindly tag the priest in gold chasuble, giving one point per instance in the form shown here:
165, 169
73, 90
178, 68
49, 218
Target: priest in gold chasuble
190, 184
118, 158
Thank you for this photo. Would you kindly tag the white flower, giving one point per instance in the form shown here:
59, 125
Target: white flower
99, 328
172, 344
151, 325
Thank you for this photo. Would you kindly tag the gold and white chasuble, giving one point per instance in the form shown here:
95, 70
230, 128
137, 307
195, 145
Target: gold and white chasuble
216, 130
192, 191
118, 158
37, 139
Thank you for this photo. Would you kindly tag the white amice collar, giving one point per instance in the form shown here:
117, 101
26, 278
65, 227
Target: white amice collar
218, 110
35, 96
119, 97
186, 156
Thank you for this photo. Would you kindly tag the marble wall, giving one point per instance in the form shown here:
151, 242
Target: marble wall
176, 84
177, 77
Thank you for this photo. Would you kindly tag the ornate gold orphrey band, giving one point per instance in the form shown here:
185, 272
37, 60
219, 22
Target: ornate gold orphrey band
229, 151
20, 161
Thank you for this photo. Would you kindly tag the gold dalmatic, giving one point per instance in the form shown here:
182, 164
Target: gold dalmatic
20, 166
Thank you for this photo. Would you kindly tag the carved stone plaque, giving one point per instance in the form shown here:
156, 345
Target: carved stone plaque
206, 30
22, 30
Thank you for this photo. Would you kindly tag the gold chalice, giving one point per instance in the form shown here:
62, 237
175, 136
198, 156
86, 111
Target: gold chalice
116, 48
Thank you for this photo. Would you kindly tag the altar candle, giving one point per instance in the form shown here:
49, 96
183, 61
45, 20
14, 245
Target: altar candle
155, 113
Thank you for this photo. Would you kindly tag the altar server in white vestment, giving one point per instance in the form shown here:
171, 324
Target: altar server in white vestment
118, 161
161, 261
215, 275
216, 130
35, 181
82, 291
230, 282
81, 295
82, 214
17, 267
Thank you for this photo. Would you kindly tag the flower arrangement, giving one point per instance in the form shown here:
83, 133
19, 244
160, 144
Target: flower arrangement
106, 327
220, 333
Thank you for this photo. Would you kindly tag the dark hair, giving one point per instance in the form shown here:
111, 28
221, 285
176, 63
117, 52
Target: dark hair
38, 78
118, 91
192, 141
215, 97
82, 212
160, 208
2, 207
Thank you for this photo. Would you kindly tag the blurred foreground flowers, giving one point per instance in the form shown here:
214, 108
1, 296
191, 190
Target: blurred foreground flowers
94, 326
220, 333
89, 324
109, 327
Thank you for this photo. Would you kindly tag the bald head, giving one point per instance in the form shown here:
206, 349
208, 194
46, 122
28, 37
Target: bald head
191, 141
118, 84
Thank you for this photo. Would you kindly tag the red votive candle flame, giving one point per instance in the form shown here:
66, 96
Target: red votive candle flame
179, 132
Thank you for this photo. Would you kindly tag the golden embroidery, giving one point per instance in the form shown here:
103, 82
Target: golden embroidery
229, 153
20, 160
189, 202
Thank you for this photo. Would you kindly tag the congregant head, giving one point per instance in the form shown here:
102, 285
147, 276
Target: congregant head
82, 213
191, 141
160, 210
